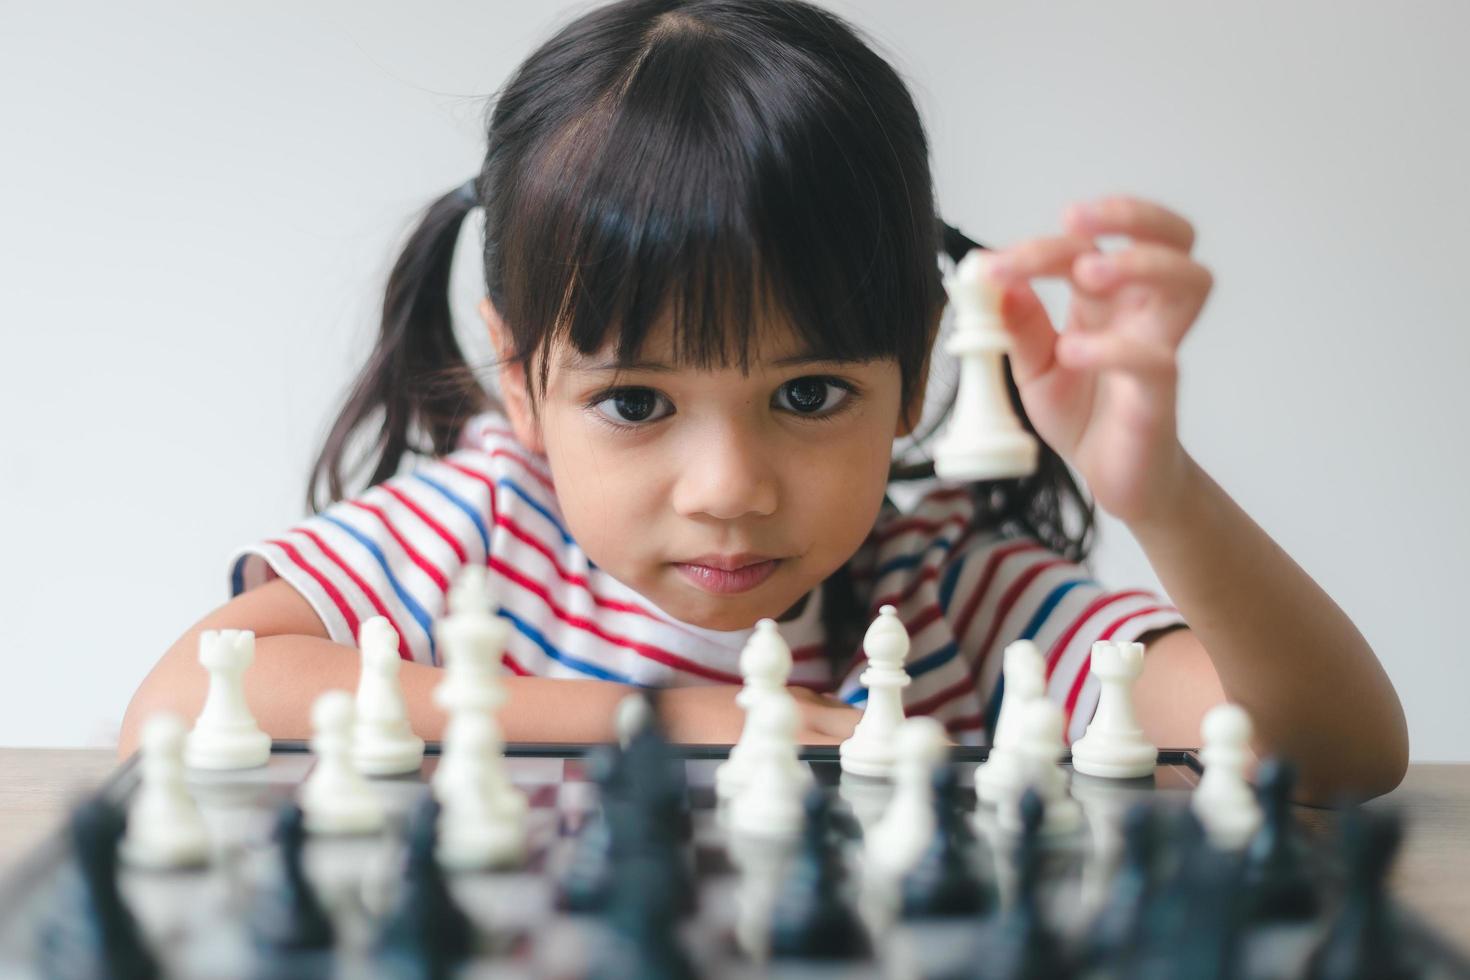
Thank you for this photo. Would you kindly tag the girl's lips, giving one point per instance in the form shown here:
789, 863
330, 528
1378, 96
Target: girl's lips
727, 582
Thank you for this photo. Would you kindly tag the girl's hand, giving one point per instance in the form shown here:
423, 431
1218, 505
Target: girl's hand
1102, 393
707, 713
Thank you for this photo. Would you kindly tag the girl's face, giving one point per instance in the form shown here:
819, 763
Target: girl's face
721, 498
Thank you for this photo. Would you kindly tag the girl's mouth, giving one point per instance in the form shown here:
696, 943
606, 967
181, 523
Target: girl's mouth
721, 581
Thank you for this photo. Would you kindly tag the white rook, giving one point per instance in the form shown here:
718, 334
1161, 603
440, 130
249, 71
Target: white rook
1114, 746
225, 734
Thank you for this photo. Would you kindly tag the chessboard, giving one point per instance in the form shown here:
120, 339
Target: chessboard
1132, 892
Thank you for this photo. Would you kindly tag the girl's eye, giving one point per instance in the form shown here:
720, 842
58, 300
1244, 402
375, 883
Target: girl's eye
630, 406
812, 396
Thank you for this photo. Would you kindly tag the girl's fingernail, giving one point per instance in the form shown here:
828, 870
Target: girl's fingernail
998, 267
1081, 214
1096, 267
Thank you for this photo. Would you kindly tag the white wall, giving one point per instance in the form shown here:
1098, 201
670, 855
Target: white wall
199, 207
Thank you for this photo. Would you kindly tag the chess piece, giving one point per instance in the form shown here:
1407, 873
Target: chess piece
286, 916
335, 799
906, 829
225, 734
383, 744
164, 826
89, 931
765, 666
1223, 800
426, 934
1041, 748
869, 751
943, 882
483, 822
1114, 929
587, 881
1278, 881
1019, 943
1113, 746
1023, 670
770, 803
472, 639
811, 918
632, 716
984, 439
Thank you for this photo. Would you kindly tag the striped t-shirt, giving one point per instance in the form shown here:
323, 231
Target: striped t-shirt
963, 595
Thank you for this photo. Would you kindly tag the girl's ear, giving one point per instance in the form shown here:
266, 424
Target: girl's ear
512, 377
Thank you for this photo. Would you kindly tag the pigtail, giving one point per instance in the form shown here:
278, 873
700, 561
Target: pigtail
416, 385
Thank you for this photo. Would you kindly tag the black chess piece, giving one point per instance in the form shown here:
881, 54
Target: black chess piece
647, 816
811, 917
944, 882
426, 935
1364, 940
1019, 944
286, 916
586, 882
1279, 885
644, 917
1116, 926
90, 933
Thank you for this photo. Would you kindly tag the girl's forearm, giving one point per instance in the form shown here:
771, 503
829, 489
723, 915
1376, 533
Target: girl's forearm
1282, 648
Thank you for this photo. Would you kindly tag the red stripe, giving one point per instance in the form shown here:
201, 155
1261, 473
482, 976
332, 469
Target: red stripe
428, 519
645, 650
966, 723
812, 651
512, 666
423, 563
330, 589
524, 463
475, 475
907, 524
1060, 646
1081, 677
403, 649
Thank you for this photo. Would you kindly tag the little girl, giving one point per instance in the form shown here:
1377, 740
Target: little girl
713, 274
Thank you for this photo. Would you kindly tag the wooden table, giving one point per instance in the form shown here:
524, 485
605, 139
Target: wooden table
1432, 875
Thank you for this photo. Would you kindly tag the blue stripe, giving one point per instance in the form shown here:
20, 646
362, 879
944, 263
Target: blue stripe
950, 579
511, 485
918, 668
409, 603
591, 670
909, 561
462, 504
992, 710
237, 577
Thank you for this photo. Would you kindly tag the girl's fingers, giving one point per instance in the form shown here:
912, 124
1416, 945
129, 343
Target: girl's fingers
1033, 338
1132, 216
1159, 266
1117, 351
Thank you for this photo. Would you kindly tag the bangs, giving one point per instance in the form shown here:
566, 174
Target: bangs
719, 183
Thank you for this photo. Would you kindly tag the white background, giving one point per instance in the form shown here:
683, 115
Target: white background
198, 208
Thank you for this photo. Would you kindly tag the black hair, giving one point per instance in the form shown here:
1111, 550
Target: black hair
712, 161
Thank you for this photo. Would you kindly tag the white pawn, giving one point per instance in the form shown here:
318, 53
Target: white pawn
1114, 746
165, 829
1024, 671
1223, 800
765, 665
1042, 747
335, 799
984, 439
869, 751
770, 806
483, 820
225, 734
899, 839
383, 743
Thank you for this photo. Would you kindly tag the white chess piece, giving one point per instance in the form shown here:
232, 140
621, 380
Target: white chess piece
765, 666
472, 639
1114, 746
869, 751
984, 439
1041, 748
632, 715
1024, 671
770, 805
225, 734
383, 743
165, 829
899, 839
483, 820
1223, 800
335, 799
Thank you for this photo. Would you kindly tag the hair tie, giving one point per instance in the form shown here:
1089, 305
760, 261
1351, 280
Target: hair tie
468, 193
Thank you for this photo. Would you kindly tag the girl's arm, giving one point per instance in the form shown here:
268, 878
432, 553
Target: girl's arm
1279, 645
295, 662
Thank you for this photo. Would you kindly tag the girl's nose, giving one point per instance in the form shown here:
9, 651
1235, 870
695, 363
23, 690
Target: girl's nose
726, 474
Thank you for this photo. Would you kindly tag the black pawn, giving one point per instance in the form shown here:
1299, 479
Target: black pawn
286, 916
1363, 941
1020, 945
586, 883
426, 935
943, 883
91, 934
811, 918
644, 917
1279, 886
1116, 927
